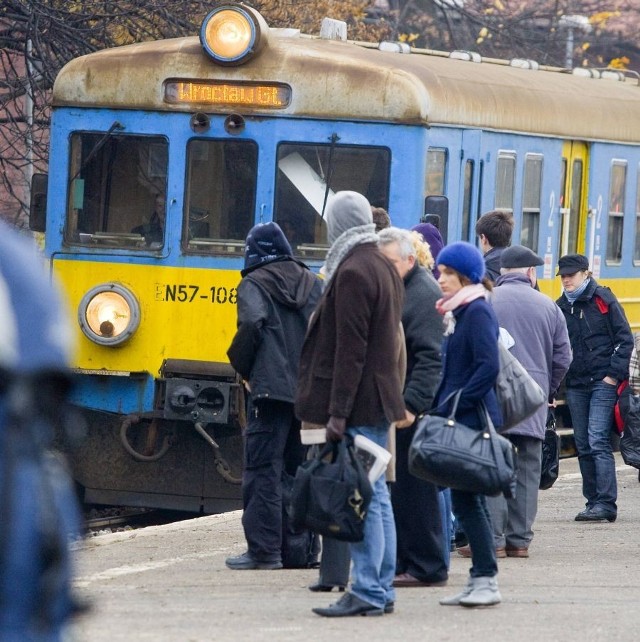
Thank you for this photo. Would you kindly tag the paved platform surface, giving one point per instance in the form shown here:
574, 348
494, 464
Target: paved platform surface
169, 583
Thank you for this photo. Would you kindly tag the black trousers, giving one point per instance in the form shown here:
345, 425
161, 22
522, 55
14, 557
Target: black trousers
272, 444
421, 545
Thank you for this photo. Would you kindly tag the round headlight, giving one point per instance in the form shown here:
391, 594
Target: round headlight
232, 34
109, 314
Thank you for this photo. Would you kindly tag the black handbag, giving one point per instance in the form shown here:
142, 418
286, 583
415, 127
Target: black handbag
630, 439
448, 453
331, 493
550, 454
519, 395
300, 547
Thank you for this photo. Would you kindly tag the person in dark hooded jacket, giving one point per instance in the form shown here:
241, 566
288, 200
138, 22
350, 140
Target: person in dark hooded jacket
276, 297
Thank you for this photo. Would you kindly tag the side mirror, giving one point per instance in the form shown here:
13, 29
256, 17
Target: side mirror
38, 205
436, 212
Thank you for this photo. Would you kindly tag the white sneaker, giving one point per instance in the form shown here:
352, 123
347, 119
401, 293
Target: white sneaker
454, 600
484, 593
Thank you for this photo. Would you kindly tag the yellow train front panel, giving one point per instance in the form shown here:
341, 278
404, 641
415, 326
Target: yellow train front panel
185, 313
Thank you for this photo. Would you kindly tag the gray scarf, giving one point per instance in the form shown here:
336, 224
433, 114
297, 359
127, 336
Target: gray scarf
344, 244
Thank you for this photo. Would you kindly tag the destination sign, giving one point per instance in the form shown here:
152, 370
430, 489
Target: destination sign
265, 95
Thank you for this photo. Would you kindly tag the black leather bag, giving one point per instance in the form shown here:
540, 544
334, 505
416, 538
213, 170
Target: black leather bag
448, 453
630, 439
550, 454
300, 547
331, 493
518, 393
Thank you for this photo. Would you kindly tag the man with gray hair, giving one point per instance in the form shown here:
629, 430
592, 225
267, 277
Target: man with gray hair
422, 550
541, 343
346, 382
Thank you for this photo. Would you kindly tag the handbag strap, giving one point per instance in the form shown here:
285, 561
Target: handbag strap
503, 472
455, 395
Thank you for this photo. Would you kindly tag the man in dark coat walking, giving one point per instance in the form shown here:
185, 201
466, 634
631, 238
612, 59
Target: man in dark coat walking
421, 546
275, 300
349, 381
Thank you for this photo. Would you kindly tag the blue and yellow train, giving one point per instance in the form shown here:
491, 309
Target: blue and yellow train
164, 154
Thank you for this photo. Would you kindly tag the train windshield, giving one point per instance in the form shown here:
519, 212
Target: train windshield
308, 175
117, 190
220, 195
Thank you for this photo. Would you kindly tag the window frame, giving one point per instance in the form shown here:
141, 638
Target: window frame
505, 155
615, 218
530, 159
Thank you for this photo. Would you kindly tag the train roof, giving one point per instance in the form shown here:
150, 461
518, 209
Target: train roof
355, 81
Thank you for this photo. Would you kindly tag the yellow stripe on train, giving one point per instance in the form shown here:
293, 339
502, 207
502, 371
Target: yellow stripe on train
186, 313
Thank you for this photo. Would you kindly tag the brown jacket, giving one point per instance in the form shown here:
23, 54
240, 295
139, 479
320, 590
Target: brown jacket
348, 366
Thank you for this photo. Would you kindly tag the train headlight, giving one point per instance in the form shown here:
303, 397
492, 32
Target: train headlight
109, 314
232, 34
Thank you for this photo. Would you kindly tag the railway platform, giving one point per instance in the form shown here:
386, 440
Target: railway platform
169, 584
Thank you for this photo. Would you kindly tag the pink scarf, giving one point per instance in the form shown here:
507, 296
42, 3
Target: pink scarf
447, 305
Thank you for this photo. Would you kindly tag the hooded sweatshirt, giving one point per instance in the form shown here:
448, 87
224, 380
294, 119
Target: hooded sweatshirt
275, 302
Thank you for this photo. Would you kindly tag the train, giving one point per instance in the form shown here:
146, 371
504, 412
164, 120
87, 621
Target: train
164, 154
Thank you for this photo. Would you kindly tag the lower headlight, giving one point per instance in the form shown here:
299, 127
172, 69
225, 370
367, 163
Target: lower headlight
109, 314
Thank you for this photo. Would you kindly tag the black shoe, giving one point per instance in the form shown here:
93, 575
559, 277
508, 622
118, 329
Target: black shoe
245, 562
389, 607
596, 514
348, 605
318, 587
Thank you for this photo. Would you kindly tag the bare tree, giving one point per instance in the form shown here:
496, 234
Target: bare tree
37, 37
523, 28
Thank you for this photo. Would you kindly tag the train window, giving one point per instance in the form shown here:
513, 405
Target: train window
636, 251
309, 174
117, 190
436, 171
616, 211
531, 191
220, 195
466, 200
505, 181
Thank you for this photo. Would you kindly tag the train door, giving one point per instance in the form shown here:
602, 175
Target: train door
573, 199
470, 180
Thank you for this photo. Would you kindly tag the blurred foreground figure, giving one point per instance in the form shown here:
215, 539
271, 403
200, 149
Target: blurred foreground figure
38, 508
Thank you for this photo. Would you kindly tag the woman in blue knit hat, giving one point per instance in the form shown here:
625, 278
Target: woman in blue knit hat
470, 363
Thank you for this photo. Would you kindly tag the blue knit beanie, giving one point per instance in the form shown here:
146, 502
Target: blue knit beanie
463, 258
265, 243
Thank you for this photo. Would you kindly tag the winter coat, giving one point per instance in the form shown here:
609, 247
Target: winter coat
470, 361
542, 345
275, 302
600, 336
492, 262
423, 337
348, 363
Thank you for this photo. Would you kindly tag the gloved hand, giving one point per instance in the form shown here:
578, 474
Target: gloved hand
336, 427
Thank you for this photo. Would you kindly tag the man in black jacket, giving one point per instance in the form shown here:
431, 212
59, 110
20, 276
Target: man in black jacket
494, 230
276, 297
421, 558
601, 342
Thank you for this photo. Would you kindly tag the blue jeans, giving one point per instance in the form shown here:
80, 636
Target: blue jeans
374, 558
444, 499
471, 511
592, 415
